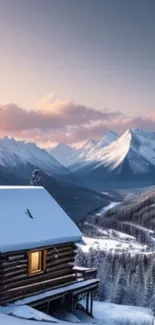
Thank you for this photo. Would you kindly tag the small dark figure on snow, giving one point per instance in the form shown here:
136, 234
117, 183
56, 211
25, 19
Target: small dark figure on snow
36, 178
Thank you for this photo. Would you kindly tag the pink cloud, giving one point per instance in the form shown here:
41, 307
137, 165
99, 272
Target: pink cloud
55, 120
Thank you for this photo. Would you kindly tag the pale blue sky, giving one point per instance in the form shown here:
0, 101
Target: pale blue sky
99, 53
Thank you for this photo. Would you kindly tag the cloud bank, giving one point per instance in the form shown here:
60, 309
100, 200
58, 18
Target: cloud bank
53, 120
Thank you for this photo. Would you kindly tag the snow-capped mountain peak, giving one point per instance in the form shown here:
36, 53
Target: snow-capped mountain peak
134, 151
31, 153
88, 144
107, 139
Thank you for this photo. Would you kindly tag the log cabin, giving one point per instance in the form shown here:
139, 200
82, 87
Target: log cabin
37, 252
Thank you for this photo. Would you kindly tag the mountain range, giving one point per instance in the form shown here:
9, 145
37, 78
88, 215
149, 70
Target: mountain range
83, 179
19, 158
128, 160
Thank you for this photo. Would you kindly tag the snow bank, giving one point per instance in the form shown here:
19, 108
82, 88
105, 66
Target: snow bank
104, 313
27, 312
112, 312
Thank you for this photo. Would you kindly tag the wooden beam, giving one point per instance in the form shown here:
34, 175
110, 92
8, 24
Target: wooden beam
10, 264
87, 302
68, 259
23, 292
14, 268
91, 303
59, 255
60, 250
34, 279
16, 257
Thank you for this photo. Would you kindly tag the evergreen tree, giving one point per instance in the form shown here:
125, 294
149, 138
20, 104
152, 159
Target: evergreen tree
36, 178
152, 305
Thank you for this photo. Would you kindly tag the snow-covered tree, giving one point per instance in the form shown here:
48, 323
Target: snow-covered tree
36, 178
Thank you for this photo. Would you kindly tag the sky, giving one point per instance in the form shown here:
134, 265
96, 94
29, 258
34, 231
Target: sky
72, 69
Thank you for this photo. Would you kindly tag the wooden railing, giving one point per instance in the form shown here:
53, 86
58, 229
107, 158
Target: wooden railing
85, 273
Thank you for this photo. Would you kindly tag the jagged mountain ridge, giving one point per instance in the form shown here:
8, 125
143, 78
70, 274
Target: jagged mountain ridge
17, 161
107, 139
130, 156
28, 153
69, 156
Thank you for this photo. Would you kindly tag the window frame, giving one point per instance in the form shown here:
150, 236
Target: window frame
42, 262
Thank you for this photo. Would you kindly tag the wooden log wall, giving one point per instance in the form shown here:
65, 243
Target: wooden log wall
15, 283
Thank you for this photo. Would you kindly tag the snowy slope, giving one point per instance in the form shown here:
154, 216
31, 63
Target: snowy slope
11, 165
104, 313
134, 151
30, 153
106, 140
91, 146
9, 158
87, 145
119, 314
68, 156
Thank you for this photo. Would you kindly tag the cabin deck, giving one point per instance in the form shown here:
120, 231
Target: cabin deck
75, 288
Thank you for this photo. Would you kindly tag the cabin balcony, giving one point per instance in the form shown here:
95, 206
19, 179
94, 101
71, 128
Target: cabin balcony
57, 272
67, 295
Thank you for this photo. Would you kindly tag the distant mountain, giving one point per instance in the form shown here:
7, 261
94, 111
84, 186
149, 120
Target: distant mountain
87, 145
30, 153
12, 164
18, 159
68, 156
106, 140
62, 153
130, 157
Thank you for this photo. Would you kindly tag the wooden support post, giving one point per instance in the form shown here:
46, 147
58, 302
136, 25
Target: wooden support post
48, 307
69, 302
91, 303
87, 302
72, 303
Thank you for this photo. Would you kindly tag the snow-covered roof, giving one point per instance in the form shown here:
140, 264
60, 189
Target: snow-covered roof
31, 218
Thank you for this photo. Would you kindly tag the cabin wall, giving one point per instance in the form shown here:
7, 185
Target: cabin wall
15, 283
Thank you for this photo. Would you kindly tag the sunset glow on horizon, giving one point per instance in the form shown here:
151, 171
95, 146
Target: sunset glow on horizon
71, 70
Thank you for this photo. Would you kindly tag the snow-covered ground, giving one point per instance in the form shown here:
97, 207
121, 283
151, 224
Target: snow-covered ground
104, 313
102, 211
26, 312
111, 313
110, 244
110, 239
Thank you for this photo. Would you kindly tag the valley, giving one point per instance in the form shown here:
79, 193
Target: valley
120, 240
107, 188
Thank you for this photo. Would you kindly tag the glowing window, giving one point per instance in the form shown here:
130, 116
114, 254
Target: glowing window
36, 262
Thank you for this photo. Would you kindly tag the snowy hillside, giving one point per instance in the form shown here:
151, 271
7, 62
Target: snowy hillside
121, 243
11, 165
28, 152
9, 157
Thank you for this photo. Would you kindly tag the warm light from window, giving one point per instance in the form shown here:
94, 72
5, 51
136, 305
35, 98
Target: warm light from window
36, 258
36, 261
